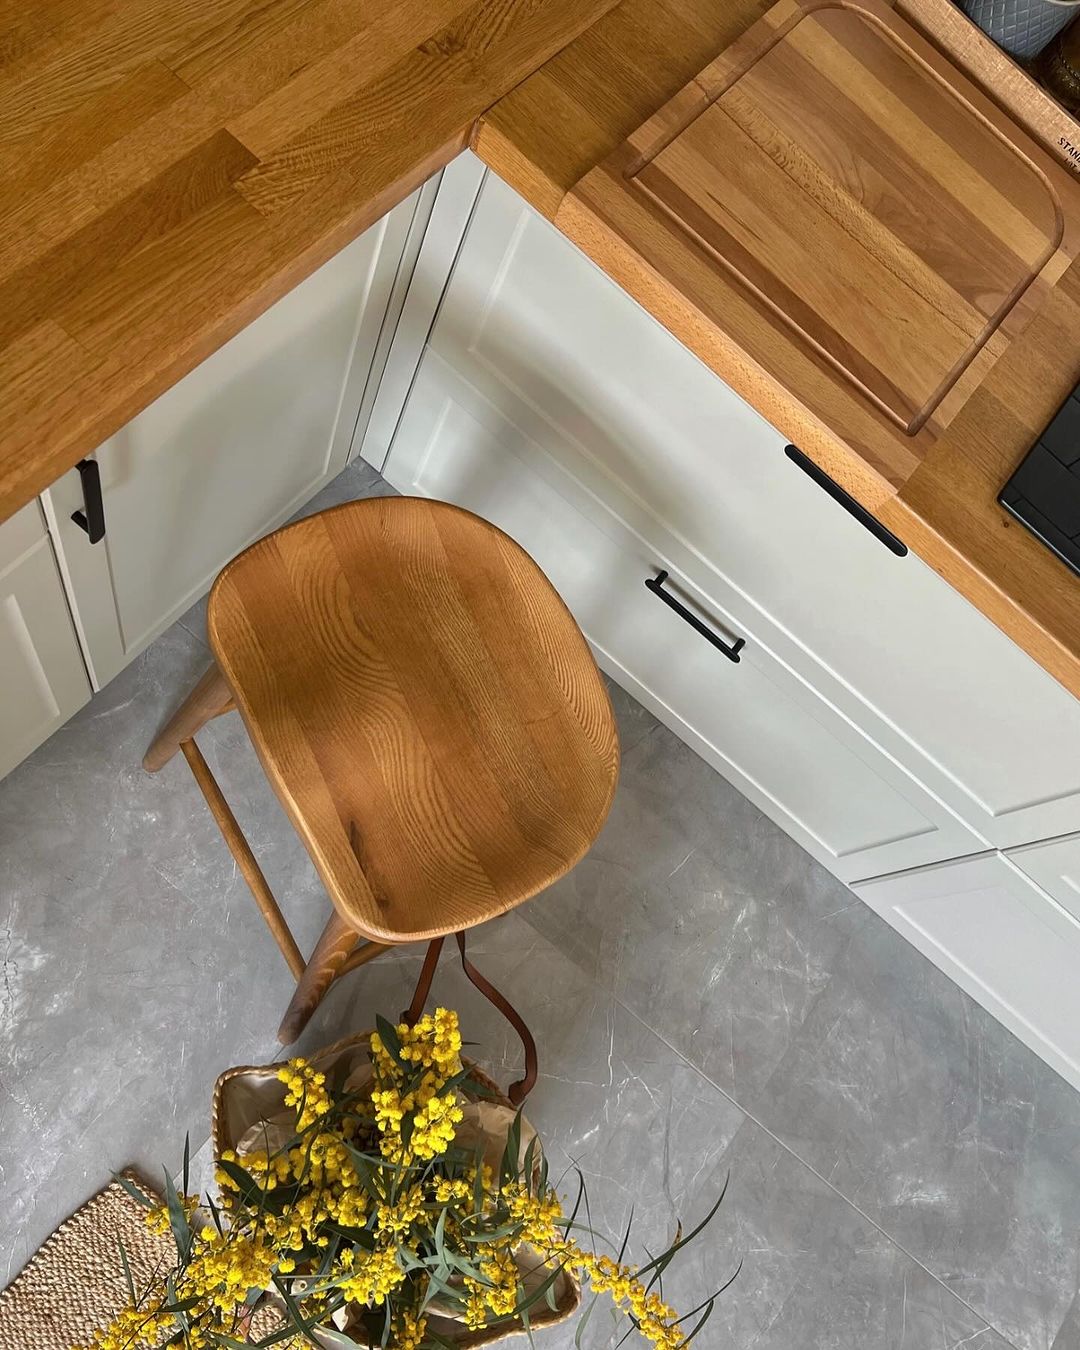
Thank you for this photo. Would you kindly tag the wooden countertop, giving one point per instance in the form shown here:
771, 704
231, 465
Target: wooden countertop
550, 131
170, 171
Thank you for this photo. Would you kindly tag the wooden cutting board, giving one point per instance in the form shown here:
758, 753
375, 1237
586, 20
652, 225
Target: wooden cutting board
832, 205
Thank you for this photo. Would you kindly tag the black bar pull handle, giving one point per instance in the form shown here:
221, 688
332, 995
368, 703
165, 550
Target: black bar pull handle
847, 501
92, 520
731, 650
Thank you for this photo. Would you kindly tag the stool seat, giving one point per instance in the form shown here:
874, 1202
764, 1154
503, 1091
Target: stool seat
423, 705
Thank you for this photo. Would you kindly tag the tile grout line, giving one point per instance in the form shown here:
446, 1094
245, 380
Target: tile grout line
810, 1168
191, 633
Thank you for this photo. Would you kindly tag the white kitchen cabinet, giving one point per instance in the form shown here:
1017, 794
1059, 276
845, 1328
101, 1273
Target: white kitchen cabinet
228, 453
1055, 866
755, 720
564, 354
1002, 939
42, 676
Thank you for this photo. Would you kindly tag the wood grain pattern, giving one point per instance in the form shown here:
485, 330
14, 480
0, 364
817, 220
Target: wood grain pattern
424, 706
1002, 78
244, 858
563, 89
547, 134
170, 169
876, 210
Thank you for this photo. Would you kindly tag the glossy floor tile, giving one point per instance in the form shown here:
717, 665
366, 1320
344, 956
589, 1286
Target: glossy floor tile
709, 921
709, 1003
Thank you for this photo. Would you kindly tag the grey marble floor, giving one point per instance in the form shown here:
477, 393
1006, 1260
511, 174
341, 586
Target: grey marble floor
904, 1175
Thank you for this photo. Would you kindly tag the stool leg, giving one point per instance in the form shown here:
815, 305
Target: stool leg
245, 859
331, 952
209, 699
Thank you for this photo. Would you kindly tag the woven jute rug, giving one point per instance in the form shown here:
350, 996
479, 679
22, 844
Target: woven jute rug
75, 1283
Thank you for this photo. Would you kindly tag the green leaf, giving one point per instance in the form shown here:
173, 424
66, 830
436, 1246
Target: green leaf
359, 1237
538, 1293
530, 1162
127, 1272
133, 1190
584, 1322
299, 1323
528, 1328
626, 1236
181, 1229
708, 1302
512, 1153
664, 1259
704, 1318
250, 1190
183, 1306
186, 1175
389, 1037
329, 1335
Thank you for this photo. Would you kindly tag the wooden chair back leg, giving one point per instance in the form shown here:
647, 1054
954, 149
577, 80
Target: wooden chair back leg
245, 859
209, 699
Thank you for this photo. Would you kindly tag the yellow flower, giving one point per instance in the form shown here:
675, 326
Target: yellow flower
409, 1331
397, 1218
377, 1276
306, 1091
538, 1215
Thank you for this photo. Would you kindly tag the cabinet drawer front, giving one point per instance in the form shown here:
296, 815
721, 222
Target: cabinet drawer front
1002, 940
755, 721
640, 422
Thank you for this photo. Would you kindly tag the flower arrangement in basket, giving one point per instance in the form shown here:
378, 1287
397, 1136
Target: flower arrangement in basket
385, 1194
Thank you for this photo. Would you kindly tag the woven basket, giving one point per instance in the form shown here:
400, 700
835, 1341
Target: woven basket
245, 1095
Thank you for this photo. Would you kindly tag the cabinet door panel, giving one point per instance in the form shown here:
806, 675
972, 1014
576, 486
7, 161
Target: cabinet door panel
533, 324
41, 670
755, 721
1002, 940
1055, 866
229, 452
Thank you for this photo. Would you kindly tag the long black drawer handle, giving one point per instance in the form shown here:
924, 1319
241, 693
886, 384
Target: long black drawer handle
92, 520
847, 501
730, 650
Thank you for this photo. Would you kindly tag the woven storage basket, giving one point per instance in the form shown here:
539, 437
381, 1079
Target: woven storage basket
250, 1093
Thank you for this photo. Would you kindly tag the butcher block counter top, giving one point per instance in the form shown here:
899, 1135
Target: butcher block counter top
172, 170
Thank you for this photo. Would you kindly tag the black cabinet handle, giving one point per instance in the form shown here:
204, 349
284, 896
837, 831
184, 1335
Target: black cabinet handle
92, 520
847, 501
730, 650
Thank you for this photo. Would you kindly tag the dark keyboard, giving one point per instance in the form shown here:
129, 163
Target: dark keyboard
1044, 492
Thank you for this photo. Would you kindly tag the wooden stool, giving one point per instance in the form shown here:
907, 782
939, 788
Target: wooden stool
428, 713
